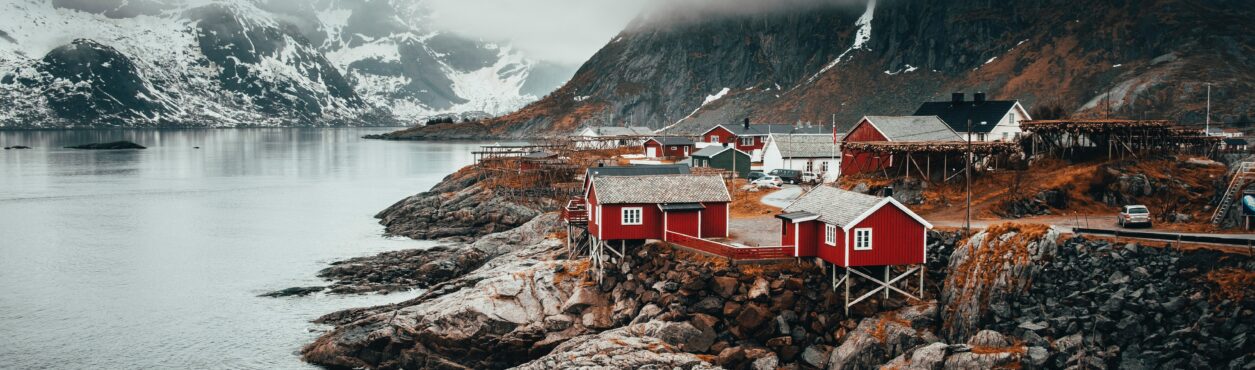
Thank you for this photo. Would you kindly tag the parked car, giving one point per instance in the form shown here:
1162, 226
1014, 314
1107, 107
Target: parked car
769, 180
788, 176
1134, 215
755, 175
810, 178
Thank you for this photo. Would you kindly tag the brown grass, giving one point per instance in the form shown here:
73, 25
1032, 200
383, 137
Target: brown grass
749, 204
1232, 283
891, 317
985, 261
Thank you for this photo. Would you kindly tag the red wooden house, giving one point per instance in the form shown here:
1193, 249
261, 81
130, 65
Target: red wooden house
752, 138
668, 147
904, 129
852, 230
648, 207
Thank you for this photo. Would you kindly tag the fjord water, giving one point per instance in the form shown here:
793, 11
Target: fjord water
154, 258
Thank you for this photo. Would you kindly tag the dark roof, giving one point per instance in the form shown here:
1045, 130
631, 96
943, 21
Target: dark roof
796, 215
681, 206
767, 129
540, 155
1235, 141
714, 150
639, 170
672, 140
660, 189
957, 114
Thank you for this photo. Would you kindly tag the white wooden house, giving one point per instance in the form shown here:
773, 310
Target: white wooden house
803, 152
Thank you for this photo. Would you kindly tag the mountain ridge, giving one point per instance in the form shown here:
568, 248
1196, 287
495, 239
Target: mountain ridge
1143, 59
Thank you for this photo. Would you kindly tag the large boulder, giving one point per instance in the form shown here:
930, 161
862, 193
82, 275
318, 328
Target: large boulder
992, 267
878, 339
652, 345
461, 207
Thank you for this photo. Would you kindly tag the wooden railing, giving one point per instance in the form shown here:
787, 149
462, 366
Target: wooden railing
728, 250
576, 211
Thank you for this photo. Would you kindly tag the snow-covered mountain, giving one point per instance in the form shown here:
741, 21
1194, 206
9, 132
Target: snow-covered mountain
101, 63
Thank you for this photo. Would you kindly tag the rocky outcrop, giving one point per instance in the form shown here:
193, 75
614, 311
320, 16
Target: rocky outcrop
116, 145
504, 314
994, 266
878, 339
422, 268
459, 207
655, 344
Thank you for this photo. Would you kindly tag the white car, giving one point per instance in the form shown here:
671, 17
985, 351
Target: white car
810, 177
1134, 215
768, 181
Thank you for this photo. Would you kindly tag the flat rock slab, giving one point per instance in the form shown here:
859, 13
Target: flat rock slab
116, 145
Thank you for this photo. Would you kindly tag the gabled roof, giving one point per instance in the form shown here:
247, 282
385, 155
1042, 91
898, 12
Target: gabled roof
660, 189
913, 128
672, 140
638, 170
843, 208
767, 129
803, 146
957, 114
714, 150
621, 131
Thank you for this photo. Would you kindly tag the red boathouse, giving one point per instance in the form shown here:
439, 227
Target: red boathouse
901, 129
668, 147
650, 207
852, 230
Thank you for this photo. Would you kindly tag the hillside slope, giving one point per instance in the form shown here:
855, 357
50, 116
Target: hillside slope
1151, 58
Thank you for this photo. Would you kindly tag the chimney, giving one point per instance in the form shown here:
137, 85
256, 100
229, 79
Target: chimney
747, 123
978, 97
956, 97
887, 191
725, 145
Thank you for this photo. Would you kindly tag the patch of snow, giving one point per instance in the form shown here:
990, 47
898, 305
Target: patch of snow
909, 68
991, 60
861, 37
581, 98
717, 96
1116, 65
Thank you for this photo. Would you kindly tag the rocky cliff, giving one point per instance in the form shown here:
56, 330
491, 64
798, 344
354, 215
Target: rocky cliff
887, 56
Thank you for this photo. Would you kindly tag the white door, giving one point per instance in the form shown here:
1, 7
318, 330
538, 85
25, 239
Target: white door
651, 152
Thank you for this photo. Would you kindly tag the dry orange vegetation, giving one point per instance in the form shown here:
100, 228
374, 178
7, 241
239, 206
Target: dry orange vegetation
748, 204
879, 331
987, 260
1233, 283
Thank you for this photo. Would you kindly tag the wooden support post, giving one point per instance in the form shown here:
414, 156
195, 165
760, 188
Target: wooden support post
922, 268
847, 291
886, 283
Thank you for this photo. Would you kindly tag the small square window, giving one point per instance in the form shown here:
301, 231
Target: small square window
747, 141
632, 216
863, 239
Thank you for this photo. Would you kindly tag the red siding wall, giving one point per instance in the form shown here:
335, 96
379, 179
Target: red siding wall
715, 220
682, 222
612, 227
723, 134
897, 239
807, 246
853, 161
828, 252
669, 151
787, 230
593, 220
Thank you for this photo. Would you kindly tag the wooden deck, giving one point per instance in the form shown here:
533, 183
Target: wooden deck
734, 252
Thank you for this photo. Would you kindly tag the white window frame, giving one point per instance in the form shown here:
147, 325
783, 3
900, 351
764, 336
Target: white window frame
714, 139
863, 239
747, 141
640, 215
830, 234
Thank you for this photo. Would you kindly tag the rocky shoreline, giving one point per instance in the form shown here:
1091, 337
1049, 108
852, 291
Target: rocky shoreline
1012, 296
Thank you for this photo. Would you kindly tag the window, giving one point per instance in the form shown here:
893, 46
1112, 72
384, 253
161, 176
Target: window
980, 137
747, 141
1005, 136
863, 239
810, 166
714, 139
632, 216
673, 148
830, 234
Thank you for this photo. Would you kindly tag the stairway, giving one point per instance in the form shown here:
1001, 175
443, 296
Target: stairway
1244, 174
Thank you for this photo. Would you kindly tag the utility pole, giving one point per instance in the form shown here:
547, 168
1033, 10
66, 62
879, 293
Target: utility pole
1207, 121
967, 224
832, 161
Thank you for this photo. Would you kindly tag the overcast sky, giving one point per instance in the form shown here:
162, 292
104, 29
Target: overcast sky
567, 31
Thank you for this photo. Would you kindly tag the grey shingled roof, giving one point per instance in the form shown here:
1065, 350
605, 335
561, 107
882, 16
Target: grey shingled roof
914, 128
658, 189
622, 131
834, 206
804, 146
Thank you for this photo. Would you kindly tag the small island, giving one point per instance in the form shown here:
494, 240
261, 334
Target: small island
116, 145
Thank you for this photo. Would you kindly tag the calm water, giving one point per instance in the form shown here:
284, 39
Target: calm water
154, 258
